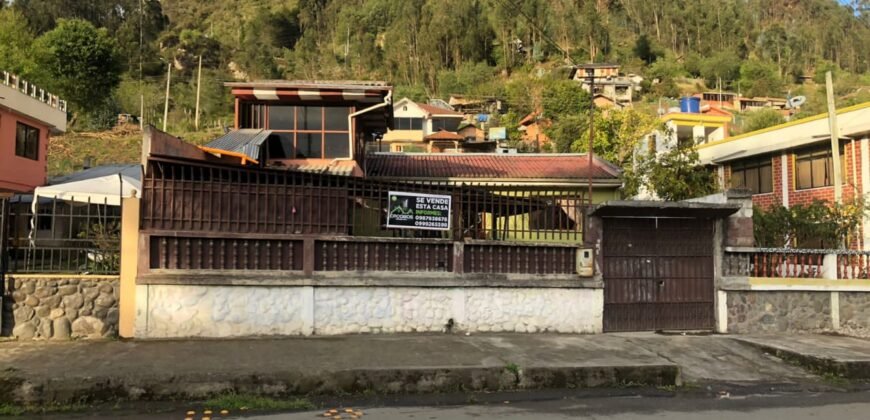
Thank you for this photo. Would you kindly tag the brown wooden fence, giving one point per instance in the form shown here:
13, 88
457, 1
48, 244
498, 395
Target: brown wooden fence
200, 216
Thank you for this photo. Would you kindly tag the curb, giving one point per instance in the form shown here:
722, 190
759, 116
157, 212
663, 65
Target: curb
850, 369
18, 389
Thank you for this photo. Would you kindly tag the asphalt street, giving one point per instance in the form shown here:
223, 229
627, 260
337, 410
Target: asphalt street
803, 406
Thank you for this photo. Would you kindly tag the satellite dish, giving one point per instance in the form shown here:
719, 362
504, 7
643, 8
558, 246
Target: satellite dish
797, 101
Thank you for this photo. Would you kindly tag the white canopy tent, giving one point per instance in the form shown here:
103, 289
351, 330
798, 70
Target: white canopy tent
101, 190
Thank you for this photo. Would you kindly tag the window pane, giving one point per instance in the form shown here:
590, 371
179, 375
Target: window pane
281, 146
20, 139
804, 174
737, 180
26, 141
416, 123
819, 172
32, 143
752, 179
336, 118
308, 145
765, 173
336, 146
309, 117
281, 117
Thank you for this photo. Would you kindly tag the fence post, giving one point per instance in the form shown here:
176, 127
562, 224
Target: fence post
458, 257
129, 269
308, 251
4, 220
829, 272
829, 267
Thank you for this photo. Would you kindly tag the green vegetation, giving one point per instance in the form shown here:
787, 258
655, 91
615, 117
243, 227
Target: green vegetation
512, 368
672, 175
816, 225
253, 402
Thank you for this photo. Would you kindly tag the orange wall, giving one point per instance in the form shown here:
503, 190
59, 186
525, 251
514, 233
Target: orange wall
18, 174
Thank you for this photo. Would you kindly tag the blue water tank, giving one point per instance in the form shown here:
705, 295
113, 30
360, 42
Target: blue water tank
690, 104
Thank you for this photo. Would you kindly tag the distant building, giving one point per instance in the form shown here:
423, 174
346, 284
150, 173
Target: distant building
532, 128
430, 128
735, 102
608, 83
28, 115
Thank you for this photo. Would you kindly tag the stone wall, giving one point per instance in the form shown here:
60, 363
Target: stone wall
855, 310
225, 311
776, 311
61, 307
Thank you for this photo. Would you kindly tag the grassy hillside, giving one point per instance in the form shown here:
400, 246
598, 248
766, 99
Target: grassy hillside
123, 144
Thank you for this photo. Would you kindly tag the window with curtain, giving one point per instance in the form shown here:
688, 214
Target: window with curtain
755, 174
814, 168
308, 132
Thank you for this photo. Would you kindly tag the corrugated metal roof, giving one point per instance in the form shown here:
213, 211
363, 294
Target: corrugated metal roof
314, 84
246, 141
131, 170
488, 166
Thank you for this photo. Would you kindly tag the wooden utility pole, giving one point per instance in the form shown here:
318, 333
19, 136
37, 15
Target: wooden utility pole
591, 74
166, 104
198, 77
835, 138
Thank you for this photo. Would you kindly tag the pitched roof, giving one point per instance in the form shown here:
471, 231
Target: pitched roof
313, 84
434, 110
132, 170
444, 135
488, 166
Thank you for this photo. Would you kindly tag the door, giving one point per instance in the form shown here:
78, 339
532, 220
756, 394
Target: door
658, 274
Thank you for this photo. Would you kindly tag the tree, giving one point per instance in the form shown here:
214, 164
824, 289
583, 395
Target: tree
762, 118
674, 175
760, 78
79, 62
617, 134
15, 42
643, 50
721, 66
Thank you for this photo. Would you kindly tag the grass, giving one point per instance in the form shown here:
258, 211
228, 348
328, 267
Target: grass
253, 402
67, 153
18, 410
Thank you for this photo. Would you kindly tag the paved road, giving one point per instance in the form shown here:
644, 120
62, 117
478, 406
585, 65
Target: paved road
840, 406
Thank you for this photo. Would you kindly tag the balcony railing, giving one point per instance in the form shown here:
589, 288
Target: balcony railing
18, 83
796, 263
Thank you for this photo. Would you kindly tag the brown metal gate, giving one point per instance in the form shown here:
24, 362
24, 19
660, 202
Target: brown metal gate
658, 274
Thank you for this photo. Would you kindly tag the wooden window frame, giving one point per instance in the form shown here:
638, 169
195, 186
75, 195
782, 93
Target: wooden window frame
323, 131
739, 168
28, 131
811, 155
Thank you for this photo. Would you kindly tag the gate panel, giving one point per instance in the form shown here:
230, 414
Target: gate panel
658, 274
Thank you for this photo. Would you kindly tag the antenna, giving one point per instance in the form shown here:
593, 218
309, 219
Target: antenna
796, 102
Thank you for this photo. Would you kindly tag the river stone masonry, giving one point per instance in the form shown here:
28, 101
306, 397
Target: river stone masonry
61, 308
768, 311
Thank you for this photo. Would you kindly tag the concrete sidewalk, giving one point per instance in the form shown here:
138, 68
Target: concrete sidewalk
91, 371
848, 357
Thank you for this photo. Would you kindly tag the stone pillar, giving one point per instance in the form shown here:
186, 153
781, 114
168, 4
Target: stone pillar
829, 272
738, 227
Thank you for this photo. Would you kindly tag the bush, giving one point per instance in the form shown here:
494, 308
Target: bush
816, 225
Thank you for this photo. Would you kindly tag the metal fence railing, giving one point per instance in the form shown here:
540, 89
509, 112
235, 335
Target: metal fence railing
73, 235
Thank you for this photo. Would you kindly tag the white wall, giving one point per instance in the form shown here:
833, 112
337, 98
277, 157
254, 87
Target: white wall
228, 311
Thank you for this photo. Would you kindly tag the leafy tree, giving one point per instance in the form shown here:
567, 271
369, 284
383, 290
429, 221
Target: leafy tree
819, 224
673, 175
721, 66
759, 78
15, 42
79, 62
762, 118
618, 132
643, 50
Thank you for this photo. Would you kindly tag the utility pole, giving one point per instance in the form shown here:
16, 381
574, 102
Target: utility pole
141, 93
198, 77
835, 138
166, 105
591, 73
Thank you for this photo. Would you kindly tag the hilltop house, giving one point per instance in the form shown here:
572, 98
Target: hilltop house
532, 128
422, 128
318, 126
609, 83
28, 115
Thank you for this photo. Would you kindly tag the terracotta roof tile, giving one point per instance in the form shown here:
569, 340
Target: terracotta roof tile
444, 135
487, 166
434, 110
